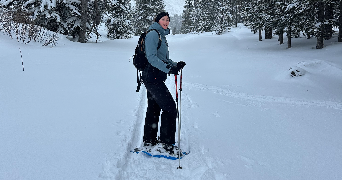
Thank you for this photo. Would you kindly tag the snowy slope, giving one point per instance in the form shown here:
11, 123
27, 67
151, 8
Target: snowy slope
74, 113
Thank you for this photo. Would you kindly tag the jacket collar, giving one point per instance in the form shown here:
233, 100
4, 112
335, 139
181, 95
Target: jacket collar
160, 29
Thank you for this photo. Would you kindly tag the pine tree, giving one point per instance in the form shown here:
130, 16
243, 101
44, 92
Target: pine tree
289, 21
196, 21
118, 20
223, 18
176, 24
256, 10
340, 23
234, 11
48, 14
309, 19
145, 13
207, 16
269, 18
83, 24
188, 16
77, 18
329, 19
12, 5
279, 24
17, 21
320, 29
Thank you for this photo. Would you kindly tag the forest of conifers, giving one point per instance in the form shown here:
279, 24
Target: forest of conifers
81, 19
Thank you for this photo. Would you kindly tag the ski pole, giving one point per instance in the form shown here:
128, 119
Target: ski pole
21, 56
176, 91
179, 117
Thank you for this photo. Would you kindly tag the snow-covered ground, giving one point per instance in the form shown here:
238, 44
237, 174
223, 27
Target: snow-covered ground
73, 114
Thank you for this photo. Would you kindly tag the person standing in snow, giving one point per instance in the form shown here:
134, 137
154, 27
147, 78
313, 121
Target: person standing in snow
158, 95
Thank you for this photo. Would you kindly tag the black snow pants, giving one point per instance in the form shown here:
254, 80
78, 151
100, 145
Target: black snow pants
159, 98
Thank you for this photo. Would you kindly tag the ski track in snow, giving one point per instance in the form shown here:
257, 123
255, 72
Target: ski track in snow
265, 99
196, 165
136, 137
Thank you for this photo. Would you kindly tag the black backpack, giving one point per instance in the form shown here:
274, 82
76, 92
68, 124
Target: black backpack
139, 59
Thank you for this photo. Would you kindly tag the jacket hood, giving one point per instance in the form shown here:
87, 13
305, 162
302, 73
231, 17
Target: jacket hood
160, 29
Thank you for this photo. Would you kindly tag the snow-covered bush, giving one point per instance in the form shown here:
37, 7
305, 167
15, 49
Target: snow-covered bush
296, 72
19, 25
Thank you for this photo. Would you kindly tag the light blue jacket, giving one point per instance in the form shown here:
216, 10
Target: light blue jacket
158, 58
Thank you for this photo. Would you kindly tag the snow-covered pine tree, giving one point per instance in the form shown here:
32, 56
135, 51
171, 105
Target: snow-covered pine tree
176, 24
70, 17
11, 4
119, 19
244, 9
292, 19
269, 18
279, 24
145, 12
18, 14
308, 21
83, 8
255, 19
43, 13
329, 19
323, 17
234, 11
96, 10
223, 18
188, 17
207, 16
296, 17
17, 21
340, 22
320, 27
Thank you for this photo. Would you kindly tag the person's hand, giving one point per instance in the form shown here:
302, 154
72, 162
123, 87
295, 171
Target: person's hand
174, 70
180, 65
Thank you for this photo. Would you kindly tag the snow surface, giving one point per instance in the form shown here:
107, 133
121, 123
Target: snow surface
73, 114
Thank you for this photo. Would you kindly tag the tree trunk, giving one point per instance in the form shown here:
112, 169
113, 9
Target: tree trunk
308, 36
289, 34
268, 32
97, 19
236, 15
320, 33
260, 36
329, 14
281, 36
340, 24
83, 28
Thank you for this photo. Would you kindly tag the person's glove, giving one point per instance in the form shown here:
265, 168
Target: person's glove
180, 65
175, 69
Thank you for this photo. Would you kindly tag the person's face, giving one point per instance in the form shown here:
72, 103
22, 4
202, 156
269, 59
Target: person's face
164, 22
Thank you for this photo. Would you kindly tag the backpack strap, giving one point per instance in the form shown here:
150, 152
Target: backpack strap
160, 40
139, 81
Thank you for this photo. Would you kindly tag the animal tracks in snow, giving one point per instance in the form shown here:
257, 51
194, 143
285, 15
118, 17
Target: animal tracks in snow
264, 99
